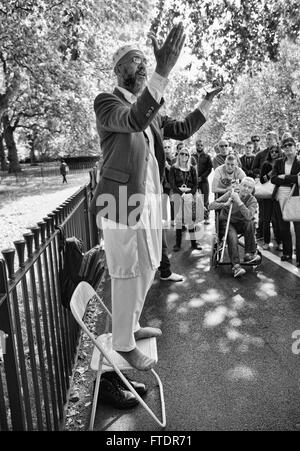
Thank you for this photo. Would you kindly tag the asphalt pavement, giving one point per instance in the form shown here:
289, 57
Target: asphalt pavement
227, 357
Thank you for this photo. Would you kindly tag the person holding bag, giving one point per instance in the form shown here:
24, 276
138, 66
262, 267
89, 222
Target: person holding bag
285, 176
183, 180
268, 204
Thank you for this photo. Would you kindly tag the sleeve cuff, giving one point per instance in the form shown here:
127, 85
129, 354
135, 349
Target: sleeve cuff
156, 86
204, 107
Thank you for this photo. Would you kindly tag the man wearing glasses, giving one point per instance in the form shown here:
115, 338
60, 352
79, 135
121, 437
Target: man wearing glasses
255, 139
220, 158
131, 131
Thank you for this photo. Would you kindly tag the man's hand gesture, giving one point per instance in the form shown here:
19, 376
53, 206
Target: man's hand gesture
167, 55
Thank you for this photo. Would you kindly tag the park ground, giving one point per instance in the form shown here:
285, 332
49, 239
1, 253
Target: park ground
25, 203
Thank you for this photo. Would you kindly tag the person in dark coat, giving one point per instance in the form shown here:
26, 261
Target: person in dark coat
63, 170
247, 159
127, 200
204, 168
285, 174
269, 204
260, 157
183, 181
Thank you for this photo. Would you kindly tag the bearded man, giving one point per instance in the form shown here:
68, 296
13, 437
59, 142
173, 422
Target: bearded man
131, 131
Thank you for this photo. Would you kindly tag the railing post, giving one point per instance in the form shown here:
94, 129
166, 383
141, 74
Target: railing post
90, 222
87, 219
9, 357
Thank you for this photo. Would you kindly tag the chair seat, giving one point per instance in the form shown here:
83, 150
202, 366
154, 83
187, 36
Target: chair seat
147, 346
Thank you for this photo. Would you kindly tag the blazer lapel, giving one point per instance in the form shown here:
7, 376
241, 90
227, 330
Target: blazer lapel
295, 167
158, 147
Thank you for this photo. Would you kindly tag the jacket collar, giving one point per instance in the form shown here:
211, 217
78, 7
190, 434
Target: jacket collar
128, 96
295, 165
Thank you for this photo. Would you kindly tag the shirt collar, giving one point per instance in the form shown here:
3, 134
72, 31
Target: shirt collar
131, 98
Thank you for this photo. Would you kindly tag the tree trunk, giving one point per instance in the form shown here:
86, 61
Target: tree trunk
3, 162
12, 153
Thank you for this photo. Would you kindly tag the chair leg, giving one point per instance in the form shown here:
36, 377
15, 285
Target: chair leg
96, 393
142, 402
162, 398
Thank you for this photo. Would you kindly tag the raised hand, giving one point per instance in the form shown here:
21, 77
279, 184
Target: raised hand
213, 93
167, 55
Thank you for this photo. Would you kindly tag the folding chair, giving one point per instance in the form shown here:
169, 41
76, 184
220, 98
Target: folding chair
104, 358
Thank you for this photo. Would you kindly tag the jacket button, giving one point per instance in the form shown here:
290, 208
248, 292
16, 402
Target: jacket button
147, 158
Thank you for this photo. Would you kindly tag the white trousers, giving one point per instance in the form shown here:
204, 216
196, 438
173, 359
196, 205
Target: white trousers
128, 297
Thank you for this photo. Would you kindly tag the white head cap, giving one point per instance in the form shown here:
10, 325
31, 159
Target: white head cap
122, 51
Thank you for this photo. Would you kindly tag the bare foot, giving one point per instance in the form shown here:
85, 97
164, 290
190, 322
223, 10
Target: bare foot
138, 360
147, 332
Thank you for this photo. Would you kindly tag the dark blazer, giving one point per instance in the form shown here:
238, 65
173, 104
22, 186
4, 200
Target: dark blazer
121, 127
259, 160
289, 180
266, 168
247, 163
204, 165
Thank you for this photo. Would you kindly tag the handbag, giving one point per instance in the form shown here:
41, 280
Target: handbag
264, 190
198, 207
191, 210
291, 208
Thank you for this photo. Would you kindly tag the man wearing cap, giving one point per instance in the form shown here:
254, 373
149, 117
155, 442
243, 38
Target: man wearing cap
131, 131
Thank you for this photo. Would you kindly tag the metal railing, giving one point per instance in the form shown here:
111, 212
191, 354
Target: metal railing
44, 170
39, 337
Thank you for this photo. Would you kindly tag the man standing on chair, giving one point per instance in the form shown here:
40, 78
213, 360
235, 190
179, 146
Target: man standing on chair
131, 131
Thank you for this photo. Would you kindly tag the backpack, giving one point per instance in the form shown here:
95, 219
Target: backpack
75, 266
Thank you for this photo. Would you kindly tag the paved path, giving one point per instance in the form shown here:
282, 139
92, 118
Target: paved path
225, 357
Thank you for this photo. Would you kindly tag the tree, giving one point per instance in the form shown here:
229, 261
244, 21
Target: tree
3, 164
50, 55
269, 100
232, 36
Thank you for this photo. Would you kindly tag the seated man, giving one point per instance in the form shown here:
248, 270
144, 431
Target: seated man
243, 212
226, 175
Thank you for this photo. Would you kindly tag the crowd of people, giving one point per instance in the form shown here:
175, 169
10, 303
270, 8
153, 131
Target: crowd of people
277, 163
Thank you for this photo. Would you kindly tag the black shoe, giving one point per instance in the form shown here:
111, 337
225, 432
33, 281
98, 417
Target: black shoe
140, 388
286, 258
110, 393
176, 248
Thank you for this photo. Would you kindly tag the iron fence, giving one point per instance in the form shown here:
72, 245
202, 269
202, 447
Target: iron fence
45, 170
38, 337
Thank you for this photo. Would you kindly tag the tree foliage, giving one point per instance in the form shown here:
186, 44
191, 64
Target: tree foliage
231, 37
268, 101
53, 57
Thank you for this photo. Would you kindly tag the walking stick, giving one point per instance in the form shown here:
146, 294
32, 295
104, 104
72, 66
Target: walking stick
226, 233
